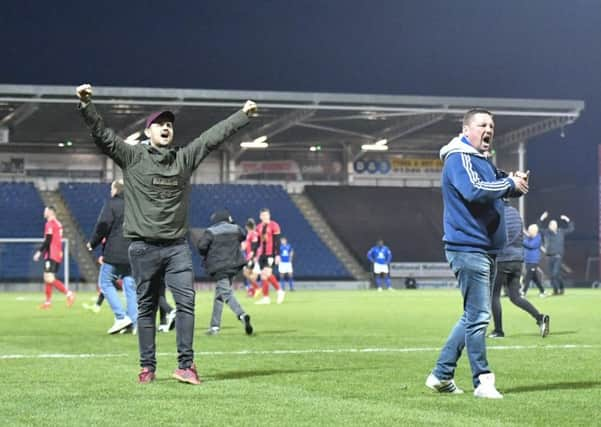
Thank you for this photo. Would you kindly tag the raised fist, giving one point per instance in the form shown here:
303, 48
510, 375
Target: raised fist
84, 92
249, 108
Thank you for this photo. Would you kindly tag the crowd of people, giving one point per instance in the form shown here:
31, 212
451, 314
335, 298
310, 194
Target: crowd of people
143, 232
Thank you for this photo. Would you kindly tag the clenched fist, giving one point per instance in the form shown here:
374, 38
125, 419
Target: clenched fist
250, 107
84, 93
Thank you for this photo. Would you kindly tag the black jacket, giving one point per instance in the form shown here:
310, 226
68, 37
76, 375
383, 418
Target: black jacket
220, 248
110, 226
514, 247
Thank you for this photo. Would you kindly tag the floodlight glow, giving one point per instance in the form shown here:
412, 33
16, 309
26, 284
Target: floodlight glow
374, 147
254, 144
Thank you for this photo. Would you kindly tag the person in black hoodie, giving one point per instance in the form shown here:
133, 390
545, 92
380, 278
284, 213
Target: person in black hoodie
219, 245
109, 227
509, 271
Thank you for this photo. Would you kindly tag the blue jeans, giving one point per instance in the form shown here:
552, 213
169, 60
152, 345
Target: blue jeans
109, 273
475, 273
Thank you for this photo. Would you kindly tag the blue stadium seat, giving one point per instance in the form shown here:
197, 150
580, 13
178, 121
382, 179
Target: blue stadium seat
313, 259
23, 218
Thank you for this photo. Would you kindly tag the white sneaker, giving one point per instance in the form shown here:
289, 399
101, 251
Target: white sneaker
379, 289
163, 328
171, 320
281, 296
487, 389
213, 330
119, 324
442, 386
264, 300
131, 329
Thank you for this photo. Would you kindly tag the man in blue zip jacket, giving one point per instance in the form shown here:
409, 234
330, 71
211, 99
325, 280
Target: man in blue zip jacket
474, 232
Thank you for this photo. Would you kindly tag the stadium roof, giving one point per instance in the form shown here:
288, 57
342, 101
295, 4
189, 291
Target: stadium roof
38, 118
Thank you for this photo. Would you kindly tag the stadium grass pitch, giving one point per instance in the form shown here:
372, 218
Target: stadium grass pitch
321, 358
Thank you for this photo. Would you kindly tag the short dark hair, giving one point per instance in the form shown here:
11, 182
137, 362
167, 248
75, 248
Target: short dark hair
467, 117
52, 208
264, 210
250, 223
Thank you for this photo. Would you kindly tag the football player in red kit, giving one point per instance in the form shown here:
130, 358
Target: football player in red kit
251, 270
52, 251
269, 247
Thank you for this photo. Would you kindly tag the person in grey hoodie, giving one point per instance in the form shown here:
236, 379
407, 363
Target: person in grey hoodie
220, 246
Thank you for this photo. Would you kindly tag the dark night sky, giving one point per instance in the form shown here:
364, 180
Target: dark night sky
513, 48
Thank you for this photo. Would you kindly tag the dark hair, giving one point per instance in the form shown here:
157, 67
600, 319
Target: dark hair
52, 208
221, 215
250, 223
467, 117
264, 210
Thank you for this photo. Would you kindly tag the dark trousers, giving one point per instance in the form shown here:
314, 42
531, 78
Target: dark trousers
532, 276
224, 295
153, 266
508, 275
555, 271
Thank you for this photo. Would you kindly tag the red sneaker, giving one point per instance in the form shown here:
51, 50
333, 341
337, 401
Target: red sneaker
146, 376
187, 375
70, 299
45, 306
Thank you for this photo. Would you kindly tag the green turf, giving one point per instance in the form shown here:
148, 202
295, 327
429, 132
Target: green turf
246, 381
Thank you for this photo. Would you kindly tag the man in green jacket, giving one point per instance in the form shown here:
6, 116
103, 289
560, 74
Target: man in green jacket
157, 186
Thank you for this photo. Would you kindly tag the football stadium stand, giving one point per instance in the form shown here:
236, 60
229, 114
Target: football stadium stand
313, 259
23, 218
409, 220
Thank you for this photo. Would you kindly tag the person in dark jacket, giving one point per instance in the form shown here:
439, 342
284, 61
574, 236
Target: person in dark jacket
223, 259
554, 240
109, 228
532, 254
157, 186
509, 272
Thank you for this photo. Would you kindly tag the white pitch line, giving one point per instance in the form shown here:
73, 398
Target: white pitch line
60, 356
293, 352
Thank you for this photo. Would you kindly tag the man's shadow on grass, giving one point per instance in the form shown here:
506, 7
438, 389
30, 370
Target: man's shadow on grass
552, 333
264, 332
554, 386
236, 375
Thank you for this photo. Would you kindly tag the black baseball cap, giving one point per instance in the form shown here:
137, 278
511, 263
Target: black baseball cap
159, 114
